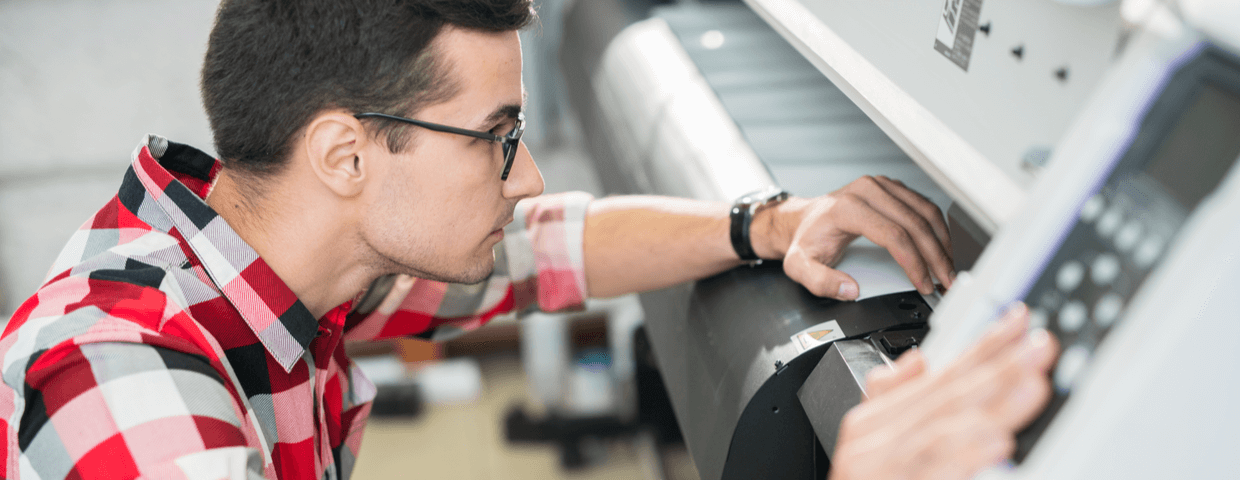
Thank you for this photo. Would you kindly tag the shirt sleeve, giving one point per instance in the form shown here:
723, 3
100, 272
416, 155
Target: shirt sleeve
539, 263
122, 410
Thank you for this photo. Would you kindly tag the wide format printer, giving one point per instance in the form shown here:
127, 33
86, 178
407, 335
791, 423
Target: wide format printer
1085, 153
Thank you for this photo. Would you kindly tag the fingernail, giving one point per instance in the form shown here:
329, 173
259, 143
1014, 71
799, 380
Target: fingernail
952, 276
1035, 345
1015, 311
848, 290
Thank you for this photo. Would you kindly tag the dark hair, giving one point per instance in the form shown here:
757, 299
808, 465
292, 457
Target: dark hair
271, 65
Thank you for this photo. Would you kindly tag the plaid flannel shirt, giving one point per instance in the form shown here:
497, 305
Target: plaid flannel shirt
163, 346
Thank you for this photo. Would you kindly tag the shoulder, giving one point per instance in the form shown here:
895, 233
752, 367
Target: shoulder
144, 277
123, 301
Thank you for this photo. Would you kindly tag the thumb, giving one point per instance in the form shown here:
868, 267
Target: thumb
818, 278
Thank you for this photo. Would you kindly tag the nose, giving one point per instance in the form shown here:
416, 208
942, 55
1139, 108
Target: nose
524, 180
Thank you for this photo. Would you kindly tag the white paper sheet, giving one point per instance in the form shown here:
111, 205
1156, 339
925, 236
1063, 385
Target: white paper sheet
876, 272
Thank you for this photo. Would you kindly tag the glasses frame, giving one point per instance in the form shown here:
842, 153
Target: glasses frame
510, 141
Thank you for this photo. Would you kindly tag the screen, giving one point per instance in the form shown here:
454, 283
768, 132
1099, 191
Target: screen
1201, 147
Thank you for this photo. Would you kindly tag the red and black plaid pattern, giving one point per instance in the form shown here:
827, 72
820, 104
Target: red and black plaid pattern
163, 346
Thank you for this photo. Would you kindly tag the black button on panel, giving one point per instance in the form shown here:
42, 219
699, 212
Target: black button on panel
897, 346
894, 343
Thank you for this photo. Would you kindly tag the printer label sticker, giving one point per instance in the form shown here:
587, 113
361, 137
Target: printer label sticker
816, 335
957, 28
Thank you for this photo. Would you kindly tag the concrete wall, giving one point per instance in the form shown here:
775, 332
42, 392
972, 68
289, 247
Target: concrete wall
81, 81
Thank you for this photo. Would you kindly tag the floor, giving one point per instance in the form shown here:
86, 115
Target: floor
466, 442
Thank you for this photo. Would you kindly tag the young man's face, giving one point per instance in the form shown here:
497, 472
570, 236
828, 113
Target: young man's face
441, 207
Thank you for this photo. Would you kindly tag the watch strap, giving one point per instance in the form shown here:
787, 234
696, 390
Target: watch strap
741, 219
742, 214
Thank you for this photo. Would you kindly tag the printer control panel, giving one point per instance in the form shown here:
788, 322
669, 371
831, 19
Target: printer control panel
1187, 143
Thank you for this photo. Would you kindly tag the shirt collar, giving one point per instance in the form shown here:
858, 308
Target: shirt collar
177, 178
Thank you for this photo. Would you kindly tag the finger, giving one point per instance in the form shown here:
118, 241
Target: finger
866, 440
864, 448
960, 446
882, 379
859, 217
932, 215
923, 206
975, 380
818, 278
1013, 386
917, 410
943, 424
968, 383
1031, 386
1044, 349
933, 250
1023, 402
1000, 335
920, 402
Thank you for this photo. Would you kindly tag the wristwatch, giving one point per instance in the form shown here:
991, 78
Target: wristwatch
743, 211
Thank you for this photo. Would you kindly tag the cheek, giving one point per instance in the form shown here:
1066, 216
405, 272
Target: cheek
395, 218
464, 187
443, 207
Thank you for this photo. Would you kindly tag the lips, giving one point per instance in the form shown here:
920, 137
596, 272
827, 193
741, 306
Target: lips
507, 220
500, 229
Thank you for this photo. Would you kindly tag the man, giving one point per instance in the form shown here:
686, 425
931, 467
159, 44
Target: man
194, 327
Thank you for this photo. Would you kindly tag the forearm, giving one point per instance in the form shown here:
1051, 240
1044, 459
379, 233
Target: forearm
634, 244
640, 243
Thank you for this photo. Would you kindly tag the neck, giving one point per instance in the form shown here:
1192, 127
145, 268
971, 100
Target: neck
299, 236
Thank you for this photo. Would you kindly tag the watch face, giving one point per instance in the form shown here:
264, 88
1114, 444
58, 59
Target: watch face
764, 196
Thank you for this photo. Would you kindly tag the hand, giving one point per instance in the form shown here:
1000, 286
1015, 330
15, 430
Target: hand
814, 232
953, 423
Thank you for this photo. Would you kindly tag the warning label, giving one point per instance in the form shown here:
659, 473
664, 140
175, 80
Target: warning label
957, 28
823, 333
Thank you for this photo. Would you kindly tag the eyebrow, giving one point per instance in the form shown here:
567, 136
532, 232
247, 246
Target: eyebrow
510, 110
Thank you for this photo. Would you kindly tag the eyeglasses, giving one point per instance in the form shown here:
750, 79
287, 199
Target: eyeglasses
509, 141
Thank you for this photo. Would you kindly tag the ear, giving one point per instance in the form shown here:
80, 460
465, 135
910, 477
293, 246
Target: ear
334, 144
